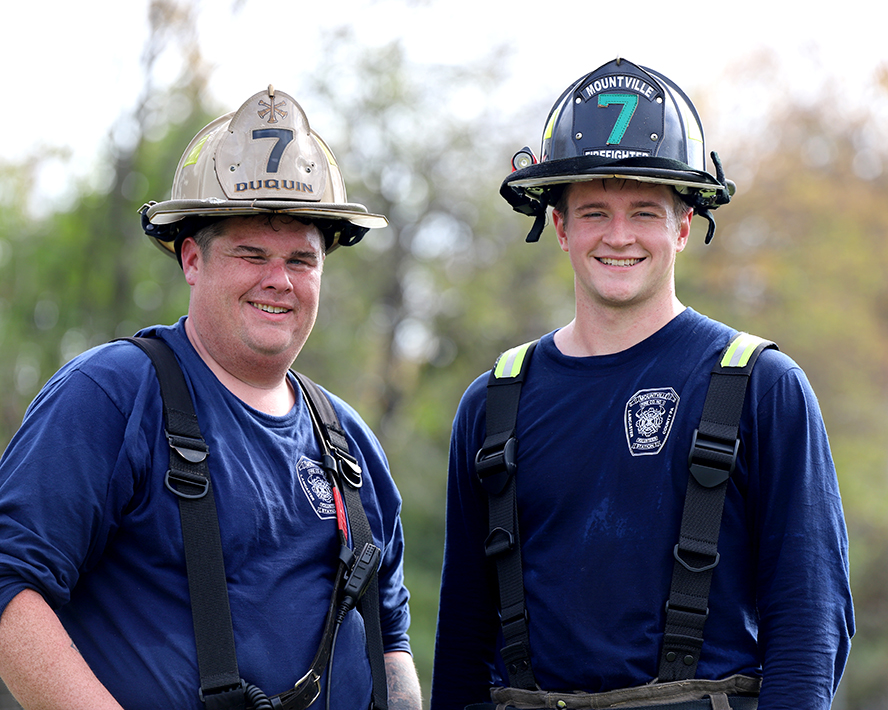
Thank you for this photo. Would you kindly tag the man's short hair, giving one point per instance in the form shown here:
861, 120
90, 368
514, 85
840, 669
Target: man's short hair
204, 236
215, 228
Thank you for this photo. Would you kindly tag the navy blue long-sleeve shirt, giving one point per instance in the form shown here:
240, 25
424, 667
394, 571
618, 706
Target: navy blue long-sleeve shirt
86, 520
601, 483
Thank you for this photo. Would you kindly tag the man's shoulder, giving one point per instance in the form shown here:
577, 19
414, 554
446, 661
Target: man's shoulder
108, 364
772, 366
116, 368
351, 421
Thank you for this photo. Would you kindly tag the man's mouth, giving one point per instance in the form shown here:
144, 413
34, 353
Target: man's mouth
269, 309
620, 262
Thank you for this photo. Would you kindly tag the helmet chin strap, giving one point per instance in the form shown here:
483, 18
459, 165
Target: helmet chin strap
722, 197
706, 214
539, 224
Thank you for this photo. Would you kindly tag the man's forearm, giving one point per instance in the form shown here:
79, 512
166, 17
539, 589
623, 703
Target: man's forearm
402, 682
40, 664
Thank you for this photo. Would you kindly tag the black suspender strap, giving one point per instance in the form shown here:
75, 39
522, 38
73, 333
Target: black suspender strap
495, 466
221, 687
712, 459
189, 479
339, 461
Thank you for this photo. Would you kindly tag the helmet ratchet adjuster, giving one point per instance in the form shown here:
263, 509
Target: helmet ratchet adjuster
161, 232
703, 204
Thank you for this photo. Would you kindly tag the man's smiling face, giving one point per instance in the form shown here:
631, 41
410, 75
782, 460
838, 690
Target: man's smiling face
622, 237
254, 292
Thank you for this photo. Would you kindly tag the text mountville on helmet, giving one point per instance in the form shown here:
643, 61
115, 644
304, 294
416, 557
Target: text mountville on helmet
262, 159
619, 121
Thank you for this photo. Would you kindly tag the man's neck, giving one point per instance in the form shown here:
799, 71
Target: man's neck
267, 390
604, 331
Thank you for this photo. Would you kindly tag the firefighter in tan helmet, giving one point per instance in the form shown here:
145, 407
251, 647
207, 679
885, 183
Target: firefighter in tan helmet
106, 596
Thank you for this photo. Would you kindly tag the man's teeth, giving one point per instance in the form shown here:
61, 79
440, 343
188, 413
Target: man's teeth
619, 262
270, 309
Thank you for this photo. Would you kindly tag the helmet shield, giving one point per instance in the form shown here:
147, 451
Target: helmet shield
250, 160
264, 158
620, 112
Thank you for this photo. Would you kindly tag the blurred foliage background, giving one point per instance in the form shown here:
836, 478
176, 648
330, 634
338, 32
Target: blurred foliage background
412, 314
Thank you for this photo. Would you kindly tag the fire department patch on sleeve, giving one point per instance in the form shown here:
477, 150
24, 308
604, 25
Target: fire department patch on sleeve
648, 420
316, 488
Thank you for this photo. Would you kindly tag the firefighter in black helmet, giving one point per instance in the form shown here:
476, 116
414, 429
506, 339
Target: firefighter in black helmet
612, 540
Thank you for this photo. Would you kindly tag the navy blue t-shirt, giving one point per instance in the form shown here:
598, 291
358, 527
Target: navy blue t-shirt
86, 521
603, 448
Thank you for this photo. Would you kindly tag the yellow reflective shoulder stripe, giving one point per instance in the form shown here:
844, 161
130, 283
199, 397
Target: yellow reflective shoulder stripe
740, 350
737, 355
509, 363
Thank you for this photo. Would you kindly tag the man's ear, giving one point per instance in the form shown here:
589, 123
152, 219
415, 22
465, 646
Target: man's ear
191, 260
559, 222
684, 231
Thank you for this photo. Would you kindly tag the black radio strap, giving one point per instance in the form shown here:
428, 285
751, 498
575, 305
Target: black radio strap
712, 459
221, 687
339, 460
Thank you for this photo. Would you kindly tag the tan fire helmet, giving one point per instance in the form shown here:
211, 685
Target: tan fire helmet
262, 159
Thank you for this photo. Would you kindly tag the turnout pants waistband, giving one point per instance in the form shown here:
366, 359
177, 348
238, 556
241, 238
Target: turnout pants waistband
737, 692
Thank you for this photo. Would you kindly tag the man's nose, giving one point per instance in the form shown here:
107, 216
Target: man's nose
620, 233
277, 276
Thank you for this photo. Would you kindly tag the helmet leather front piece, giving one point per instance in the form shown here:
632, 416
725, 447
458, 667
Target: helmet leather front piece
620, 112
248, 160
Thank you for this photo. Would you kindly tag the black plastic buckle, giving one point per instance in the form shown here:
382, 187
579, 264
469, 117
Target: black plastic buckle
498, 541
495, 467
704, 568
712, 461
191, 449
688, 610
202, 483
223, 698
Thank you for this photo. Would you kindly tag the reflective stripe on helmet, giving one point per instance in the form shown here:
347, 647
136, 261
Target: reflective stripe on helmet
195, 151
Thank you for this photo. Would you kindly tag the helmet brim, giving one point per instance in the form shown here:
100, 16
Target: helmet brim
174, 210
535, 178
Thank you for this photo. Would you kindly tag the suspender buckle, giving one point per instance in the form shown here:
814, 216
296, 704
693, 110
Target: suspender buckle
498, 541
712, 460
689, 568
224, 698
191, 449
199, 484
495, 466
